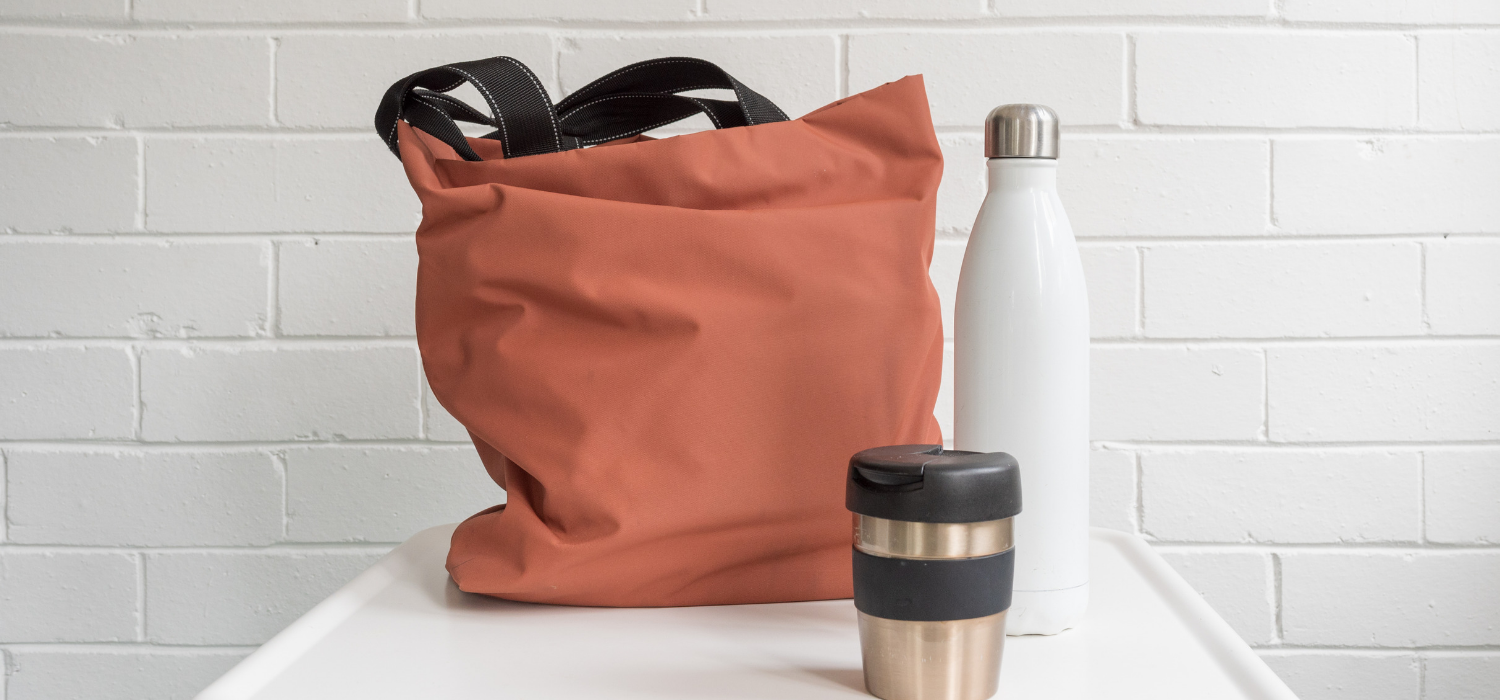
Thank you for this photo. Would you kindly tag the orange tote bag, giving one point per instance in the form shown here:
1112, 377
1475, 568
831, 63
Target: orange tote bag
666, 350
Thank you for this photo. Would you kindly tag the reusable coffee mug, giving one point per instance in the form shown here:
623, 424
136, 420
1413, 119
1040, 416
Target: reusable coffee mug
933, 565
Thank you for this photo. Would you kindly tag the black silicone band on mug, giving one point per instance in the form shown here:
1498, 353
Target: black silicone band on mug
933, 589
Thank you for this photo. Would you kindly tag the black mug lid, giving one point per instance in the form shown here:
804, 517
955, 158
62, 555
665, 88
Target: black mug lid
928, 484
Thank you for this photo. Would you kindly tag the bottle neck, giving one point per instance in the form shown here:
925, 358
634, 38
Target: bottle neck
1023, 174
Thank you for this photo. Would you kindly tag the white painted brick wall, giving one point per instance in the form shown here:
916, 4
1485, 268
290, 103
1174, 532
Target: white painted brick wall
1276, 80
81, 287
1281, 496
1390, 598
60, 81
239, 597
136, 498
211, 406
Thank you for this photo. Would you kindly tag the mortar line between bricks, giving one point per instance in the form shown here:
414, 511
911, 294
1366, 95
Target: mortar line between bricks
273, 290
1273, 224
1277, 548
1138, 464
1377, 649
87, 445
658, 27
1422, 497
188, 237
1140, 131
277, 548
123, 647
222, 343
274, 46
1421, 677
1416, 81
1132, 107
4, 520
313, 342
1422, 288
140, 183
1265, 395
1241, 445
841, 65
1279, 628
138, 420
140, 596
278, 461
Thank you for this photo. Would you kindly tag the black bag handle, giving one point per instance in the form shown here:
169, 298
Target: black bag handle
626, 102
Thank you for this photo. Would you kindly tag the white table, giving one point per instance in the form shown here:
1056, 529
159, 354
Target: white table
403, 630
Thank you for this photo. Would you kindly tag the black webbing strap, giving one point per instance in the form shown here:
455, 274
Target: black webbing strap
629, 101
643, 96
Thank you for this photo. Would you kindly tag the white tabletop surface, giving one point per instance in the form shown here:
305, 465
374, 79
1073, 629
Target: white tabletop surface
403, 630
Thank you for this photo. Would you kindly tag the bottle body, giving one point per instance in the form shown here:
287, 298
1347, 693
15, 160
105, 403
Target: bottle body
1021, 381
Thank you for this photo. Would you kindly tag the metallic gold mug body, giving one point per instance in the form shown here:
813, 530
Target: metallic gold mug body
942, 660
931, 660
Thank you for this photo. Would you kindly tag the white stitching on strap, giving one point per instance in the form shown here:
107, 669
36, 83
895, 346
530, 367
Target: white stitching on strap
504, 135
574, 111
551, 113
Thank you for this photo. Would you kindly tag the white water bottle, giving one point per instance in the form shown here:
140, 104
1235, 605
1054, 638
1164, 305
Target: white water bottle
1021, 363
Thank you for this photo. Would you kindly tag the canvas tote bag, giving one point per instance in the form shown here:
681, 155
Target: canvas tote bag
667, 350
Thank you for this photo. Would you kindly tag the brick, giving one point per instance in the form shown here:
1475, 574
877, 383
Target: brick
67, 597
1461, 675
441, 425
963, 186
282, 394
85, 393
1078, 75
1278, 290
1387, 185
1112, 490
85, 185
135, 289
1463, 496
336, 81
1165, 187
1114, 278
1132, 8
1276, 80
1403, 392
57, 81
1236, 584
341, 287
1339, 675
144, 499
239, 597
401, 491
1392, 11
798, 73
1157, 393
275, 11
1391, 599
842, 9
262, 185
1460, 80
1463, 287
65, 10
638, 11
125, 674
1282, 497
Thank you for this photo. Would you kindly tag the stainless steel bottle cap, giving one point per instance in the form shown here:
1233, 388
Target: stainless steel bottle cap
1021, 131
